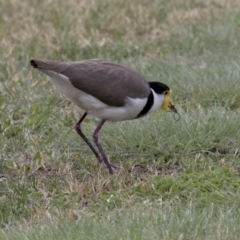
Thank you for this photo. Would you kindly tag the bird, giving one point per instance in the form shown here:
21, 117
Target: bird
106, 90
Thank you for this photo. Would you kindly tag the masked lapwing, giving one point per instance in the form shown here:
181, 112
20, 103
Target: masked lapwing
106, 90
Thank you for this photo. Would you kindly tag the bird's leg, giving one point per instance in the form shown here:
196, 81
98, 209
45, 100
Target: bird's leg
77, 127
104, 157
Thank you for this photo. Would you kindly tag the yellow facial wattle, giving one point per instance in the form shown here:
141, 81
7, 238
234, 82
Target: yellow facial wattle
167, 102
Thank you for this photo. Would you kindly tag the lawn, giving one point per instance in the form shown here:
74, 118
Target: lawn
177, 179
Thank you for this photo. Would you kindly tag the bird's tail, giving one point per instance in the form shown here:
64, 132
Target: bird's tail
33, 63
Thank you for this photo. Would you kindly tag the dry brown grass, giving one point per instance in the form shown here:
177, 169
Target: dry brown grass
50, 25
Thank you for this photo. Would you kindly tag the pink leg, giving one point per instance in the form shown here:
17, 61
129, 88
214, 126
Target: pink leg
81, 134
95, 138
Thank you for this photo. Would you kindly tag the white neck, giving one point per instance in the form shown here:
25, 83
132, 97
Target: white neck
158, 101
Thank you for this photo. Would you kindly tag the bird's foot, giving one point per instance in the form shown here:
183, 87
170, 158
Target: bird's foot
114, 166
111, 167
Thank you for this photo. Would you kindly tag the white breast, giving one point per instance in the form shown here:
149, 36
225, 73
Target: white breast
129, 111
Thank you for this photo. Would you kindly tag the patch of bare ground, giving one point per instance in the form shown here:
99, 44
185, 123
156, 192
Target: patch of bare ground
146, 171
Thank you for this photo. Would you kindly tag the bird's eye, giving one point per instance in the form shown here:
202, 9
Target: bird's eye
166, 93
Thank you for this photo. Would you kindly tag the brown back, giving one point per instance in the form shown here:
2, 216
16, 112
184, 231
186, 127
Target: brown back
109, 82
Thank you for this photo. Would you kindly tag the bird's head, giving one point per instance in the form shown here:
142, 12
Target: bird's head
163, 90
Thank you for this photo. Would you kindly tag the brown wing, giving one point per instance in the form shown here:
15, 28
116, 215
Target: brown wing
109, 82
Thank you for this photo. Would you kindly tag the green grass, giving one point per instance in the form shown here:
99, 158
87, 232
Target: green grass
178, 179
145, 222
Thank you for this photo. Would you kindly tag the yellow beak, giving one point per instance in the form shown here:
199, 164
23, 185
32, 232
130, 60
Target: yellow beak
172, 107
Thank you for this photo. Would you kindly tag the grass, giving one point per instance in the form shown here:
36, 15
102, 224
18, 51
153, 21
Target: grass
178, 179
155, 223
